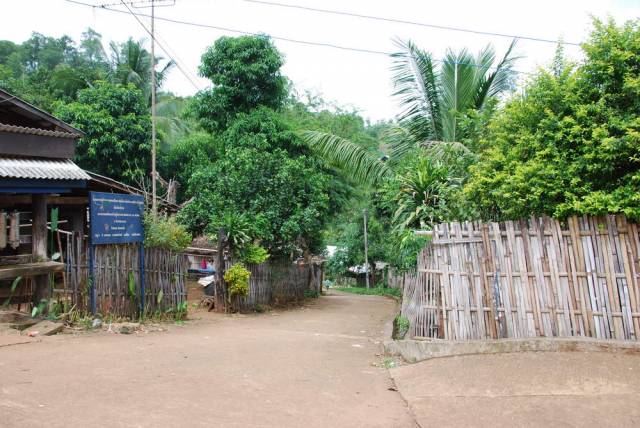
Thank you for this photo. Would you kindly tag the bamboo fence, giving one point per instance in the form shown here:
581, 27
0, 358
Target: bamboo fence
276, 283
113, 265
534, 278
398, 279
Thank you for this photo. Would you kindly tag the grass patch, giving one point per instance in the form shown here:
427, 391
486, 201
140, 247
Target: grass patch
311, 294
377, 291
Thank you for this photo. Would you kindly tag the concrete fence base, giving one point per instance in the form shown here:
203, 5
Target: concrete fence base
418, 350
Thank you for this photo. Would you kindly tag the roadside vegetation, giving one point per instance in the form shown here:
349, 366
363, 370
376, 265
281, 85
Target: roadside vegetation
286, 173
375, 291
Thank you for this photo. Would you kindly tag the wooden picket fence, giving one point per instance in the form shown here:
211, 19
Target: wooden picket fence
540, 277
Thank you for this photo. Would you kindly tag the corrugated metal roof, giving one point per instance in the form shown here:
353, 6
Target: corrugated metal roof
36, 131
63, 169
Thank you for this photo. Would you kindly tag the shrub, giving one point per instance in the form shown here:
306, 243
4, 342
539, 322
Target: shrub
237, 280
165, 233
311, 294
253, 254
400, 327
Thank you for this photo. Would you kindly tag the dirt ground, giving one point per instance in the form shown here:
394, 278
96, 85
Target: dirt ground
311, 367
316, 366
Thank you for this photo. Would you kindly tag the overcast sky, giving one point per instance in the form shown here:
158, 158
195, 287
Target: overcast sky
361, 80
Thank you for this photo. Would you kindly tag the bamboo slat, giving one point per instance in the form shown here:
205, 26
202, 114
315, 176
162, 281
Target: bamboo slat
539, 277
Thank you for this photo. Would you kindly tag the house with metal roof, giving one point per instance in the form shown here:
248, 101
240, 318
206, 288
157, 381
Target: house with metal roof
44, 198
37, 178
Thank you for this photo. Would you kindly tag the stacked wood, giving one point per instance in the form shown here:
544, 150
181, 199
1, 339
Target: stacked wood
535, 278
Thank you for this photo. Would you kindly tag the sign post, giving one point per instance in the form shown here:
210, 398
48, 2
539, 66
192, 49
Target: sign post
116, 219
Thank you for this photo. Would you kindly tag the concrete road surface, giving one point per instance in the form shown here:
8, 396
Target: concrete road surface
524, 390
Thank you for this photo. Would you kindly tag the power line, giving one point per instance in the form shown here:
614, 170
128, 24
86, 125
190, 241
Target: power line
400, 21
176, 58
157, 41
284, 39
134, 3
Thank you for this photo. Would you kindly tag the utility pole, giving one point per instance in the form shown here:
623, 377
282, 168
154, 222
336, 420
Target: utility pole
154, 203
154, 193
366, 250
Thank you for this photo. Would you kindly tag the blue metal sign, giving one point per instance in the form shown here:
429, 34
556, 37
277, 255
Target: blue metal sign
116, 218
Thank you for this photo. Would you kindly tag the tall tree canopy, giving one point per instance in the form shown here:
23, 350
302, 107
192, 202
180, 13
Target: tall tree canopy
439, 107
117, 126
263, 183
245, 72
570, 144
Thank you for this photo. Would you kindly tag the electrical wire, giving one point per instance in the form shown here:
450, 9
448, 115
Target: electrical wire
285, 39
161, 46
400, 21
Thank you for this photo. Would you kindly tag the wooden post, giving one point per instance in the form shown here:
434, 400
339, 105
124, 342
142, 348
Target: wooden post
220, 290
78, 219
39, 246
366, 250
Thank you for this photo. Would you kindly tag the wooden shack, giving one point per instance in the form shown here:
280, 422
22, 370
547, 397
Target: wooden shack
38, 185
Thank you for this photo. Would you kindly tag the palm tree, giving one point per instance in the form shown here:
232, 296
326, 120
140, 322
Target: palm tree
170, 120
131, 63
433, 99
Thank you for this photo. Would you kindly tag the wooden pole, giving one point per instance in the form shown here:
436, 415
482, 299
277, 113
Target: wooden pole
39, 246
220, 291
366, 250
154, 205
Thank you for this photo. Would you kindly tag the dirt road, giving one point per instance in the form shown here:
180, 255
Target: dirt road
308, 367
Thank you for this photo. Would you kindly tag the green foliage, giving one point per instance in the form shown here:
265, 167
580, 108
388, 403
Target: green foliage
131, 65
185, 156
424, 191
253, 254
571, 143
439, 107
54, 219
377, 291
236, 226
397, 246
49, 72
237, 280
131, 282
245, 72
40, 308
173, 124
401, 327
311, 294
12, 290
116, 124
280, 196
165, 233
45, 69
338, 263
339, 152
